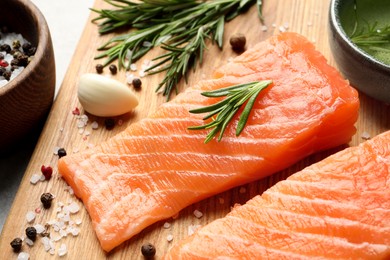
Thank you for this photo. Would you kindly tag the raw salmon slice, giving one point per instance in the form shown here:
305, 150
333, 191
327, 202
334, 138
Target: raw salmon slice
338, 208
156, 167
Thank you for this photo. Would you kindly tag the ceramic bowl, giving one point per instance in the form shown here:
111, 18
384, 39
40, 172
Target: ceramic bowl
25, 101
366, 73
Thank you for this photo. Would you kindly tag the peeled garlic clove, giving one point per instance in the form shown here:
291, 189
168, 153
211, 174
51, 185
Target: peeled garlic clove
105, 97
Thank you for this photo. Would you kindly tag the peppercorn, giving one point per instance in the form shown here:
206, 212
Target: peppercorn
23, 60
137, 83
99, 68
238, 41
109, 123
15, 62
46, 199
17, 54
26, 46
47, 171
148, 250
31, 233
16, 244
7, 74
113, 69
5, 47
61, 152
16, 44
31, 51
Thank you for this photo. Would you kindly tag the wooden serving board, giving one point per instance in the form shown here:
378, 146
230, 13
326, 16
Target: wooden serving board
308, 17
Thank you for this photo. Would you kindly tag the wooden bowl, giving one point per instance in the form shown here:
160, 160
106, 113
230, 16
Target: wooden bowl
366, 73
26, 100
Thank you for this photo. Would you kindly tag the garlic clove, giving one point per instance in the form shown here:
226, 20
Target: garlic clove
105, 97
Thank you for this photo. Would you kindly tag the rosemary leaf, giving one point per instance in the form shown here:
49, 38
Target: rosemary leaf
180, 27
236, 96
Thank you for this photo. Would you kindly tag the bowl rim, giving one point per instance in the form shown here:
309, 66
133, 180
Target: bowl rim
334, 19
42, 29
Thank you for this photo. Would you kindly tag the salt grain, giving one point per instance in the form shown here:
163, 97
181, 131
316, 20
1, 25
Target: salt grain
282, 29
47, 243
198, 214
94, 125
28, 241
169, 237
366, 135
35, 178
78, 221
55, 150
73, 207
133, 67
264, 28
23, 256
30, 216
167, 225
62, 250
40, 228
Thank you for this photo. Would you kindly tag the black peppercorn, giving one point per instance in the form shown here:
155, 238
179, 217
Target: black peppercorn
113, 69
137, 83
46, 199
5, 47
61, 152
31, 51
31, 233
238, 41
16, 244
23, 60
109, 123
99, 68
15, 62
7, 74
148, 250
26, 46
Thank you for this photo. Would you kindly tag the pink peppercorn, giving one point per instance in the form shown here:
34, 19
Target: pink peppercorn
3, 63
47, 171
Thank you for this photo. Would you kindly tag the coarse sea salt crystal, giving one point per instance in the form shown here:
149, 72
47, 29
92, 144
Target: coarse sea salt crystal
73, 207
169, 237
133, 67
264, 28
198, 214
167, 225
78, 221
30, 216
47, 243
29, 241
62, 250
23, 256
35, 178
94, 125
365, 135
40, 228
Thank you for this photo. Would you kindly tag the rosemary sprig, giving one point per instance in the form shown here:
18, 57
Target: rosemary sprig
225, 110
180, 27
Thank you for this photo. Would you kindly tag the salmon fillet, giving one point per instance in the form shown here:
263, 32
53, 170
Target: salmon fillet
338, 208
156, 167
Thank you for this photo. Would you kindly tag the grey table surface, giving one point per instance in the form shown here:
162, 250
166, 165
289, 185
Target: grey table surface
66, 20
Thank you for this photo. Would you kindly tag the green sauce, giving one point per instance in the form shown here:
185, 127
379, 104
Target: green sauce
371, 12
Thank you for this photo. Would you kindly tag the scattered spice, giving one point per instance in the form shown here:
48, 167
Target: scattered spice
76, 111
148, 250
61, 152
198, 214
16, 244
137, 83
99, 68
113, 69
238, 41
30, 216
109, 123
47, 171
31, 233
46, 199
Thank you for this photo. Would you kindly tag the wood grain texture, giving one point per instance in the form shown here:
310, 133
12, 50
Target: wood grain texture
26, 100
308, 17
